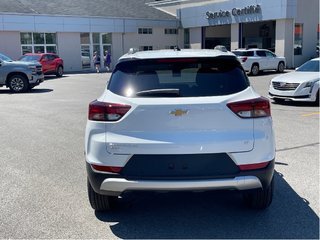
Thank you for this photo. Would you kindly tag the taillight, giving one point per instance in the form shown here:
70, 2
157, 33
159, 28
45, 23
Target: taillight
101, 111
253, 166
244, 59
106, 168
253, 108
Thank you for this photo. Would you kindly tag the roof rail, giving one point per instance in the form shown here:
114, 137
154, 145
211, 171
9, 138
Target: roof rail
221, 48
133, 50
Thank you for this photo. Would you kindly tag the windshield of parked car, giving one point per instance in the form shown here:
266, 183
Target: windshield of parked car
29, 58
5, 58
310, 66
179, 77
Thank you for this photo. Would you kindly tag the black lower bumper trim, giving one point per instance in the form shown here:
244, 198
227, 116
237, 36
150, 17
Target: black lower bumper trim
280, 96
264, 175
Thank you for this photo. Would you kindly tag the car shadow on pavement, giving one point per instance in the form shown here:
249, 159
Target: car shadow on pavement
40, 90
34, 90
267, 73
215, 214
295, 104
49, 77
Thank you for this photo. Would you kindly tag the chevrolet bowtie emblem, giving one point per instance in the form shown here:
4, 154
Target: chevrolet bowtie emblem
179, 112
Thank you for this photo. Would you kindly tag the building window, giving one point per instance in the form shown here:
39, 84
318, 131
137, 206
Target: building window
145, 48
170, 31
186, 40
84, 38
106, 43
96, 43
298, 39
38, 42
145, 30
170, 47
26, 38
85, 50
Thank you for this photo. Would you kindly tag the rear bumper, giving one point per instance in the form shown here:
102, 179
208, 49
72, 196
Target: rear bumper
115, 184
119, 185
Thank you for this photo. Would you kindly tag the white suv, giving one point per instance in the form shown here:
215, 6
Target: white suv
256, 60
175, 120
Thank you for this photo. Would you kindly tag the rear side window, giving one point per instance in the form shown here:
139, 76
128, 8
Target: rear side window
191, 77
261, 53
51, 57
243, 53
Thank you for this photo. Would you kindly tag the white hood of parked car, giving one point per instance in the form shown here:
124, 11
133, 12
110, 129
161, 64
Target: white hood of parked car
297, 77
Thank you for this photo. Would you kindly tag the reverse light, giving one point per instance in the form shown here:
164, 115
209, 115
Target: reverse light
253, 108
110, 112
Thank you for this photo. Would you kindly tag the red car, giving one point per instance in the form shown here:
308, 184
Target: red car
51, 63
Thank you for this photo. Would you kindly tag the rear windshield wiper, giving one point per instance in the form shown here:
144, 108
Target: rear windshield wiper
167, 92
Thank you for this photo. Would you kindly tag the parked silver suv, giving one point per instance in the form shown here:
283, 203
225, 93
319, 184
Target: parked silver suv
19, 76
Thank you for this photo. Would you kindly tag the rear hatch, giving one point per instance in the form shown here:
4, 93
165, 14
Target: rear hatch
179, 106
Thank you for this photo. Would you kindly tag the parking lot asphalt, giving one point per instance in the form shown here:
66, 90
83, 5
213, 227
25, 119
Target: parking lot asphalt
43, 180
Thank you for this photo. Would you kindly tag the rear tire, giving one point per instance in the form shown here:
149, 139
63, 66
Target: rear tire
259, 198
59, 72
100, 202
280, 67
18, 84
255, 70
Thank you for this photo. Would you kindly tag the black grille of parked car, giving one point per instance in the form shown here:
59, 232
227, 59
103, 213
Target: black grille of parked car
39, 70
285, 86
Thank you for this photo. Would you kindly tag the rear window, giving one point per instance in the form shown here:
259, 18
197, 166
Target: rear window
178, 78
29, 58
243, 53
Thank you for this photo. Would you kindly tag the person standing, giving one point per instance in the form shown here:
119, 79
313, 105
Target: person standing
96, 61
107, 60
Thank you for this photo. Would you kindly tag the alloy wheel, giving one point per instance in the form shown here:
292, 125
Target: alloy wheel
17, 84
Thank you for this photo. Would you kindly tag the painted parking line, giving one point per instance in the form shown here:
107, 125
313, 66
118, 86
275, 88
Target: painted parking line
310, 114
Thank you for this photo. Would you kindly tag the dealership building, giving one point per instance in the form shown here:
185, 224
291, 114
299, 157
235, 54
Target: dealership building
75, 29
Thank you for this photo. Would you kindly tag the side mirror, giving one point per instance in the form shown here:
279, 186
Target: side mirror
296, 69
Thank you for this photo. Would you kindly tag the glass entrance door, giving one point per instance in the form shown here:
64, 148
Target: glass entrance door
85, 56
94, 42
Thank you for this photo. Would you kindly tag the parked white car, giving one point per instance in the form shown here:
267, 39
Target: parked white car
175, 120
300, 85
256, 60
